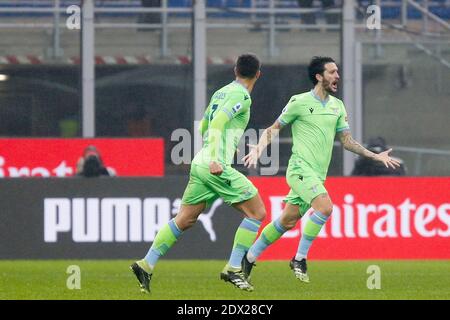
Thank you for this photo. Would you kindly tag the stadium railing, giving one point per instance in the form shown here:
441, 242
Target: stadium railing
261, 15
391, 9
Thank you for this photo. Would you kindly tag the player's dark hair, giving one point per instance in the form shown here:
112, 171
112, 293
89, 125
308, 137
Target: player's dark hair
317, 66
247, 65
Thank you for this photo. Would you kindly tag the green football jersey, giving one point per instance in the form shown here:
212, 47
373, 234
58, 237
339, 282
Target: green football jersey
230, 104
314, 126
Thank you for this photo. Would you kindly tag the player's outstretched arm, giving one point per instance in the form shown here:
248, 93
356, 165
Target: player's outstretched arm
351, 145
251, 159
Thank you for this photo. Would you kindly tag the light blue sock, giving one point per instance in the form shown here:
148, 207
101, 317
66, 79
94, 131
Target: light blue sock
312, 228
272, 232
164, 240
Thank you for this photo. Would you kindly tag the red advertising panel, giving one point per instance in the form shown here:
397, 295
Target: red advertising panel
58, 157
373, 218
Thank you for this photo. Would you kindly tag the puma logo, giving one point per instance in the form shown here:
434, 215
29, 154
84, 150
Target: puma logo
206, 219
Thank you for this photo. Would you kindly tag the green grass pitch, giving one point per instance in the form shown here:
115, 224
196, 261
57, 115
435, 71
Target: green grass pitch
199, 279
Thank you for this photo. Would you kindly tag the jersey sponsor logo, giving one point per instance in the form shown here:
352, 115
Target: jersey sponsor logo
300, 177
113, 219
236, 108
311, 110
246, 97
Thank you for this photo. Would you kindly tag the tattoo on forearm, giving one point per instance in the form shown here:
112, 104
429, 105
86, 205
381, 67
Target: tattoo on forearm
351, 145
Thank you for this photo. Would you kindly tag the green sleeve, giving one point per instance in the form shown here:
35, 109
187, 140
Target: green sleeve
215, 130
217, 121
342, 123
289, 113
203, 127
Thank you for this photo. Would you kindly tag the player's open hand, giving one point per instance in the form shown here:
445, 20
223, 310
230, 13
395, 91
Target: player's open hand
215, 168
387, 160
251, 159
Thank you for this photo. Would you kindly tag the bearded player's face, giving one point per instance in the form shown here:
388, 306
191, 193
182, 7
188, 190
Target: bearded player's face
330, 78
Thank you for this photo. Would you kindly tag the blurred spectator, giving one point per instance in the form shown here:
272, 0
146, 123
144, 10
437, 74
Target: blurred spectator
150, 17
310, 18
367, 167
91, 164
